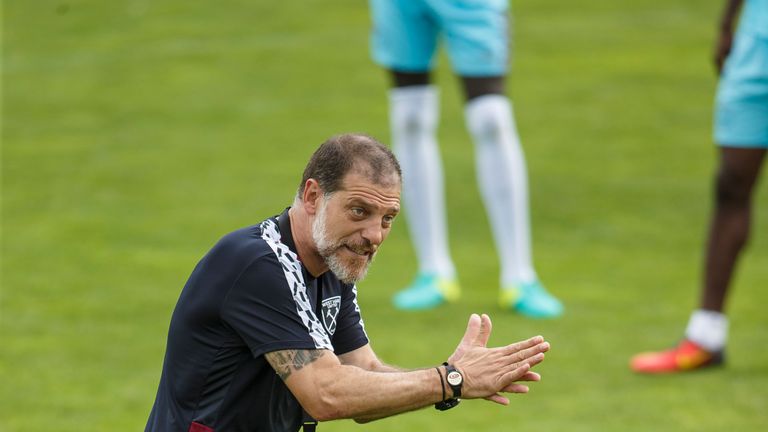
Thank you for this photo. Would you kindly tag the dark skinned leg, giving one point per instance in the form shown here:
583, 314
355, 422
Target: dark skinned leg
473, 86
407, 79
729, 228
481, 86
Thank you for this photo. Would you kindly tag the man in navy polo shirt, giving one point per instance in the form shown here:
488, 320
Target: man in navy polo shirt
267, 332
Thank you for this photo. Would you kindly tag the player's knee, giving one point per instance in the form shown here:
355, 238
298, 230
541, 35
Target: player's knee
419, 123
415, 122
489, 126
489, 119
414, 111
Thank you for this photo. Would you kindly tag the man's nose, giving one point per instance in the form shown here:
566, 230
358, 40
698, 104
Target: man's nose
374, 234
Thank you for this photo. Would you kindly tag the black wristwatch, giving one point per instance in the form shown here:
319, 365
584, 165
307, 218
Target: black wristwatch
455, 380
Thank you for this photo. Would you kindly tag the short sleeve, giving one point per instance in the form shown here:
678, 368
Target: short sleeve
350, 330
268, 313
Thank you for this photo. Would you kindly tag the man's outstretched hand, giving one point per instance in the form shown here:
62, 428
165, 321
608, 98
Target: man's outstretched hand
489, 371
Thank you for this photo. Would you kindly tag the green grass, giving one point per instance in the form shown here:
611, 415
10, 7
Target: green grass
136, 133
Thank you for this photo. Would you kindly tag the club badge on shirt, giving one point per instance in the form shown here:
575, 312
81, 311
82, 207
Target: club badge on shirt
331, 307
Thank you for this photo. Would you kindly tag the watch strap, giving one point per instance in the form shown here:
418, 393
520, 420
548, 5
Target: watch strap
445, 404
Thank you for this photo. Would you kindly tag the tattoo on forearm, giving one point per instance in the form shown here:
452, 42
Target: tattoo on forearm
288, 361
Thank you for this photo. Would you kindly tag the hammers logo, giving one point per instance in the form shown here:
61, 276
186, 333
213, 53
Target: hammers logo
330, 312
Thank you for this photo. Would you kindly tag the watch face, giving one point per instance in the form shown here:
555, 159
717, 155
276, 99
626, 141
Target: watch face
454, 378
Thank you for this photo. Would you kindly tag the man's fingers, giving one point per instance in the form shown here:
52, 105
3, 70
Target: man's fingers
521, 371
532, 356
474, 328
509, 378
528, 343
499, 399
531, 361
530, 376
485, 331
517, 388
523, 354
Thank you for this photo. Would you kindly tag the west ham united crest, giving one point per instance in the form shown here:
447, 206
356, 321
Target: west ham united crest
330, 312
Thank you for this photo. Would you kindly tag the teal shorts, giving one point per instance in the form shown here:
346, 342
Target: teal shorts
741, 108
476, 33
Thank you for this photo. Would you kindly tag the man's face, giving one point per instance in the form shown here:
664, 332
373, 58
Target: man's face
351, 224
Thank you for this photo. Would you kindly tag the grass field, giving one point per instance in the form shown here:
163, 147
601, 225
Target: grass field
136, 133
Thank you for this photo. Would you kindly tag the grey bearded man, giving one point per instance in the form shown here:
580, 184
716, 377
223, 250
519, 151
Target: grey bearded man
267, 333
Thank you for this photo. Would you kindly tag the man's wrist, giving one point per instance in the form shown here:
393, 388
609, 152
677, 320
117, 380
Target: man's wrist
446, 404
455, 379
442, 383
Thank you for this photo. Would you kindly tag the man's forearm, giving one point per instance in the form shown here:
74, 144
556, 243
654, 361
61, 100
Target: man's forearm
358, 386
328, 389
385, 368
381, 367
351, 392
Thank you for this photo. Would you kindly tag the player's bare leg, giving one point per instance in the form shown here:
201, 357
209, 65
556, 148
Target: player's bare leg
730, 226
707, 331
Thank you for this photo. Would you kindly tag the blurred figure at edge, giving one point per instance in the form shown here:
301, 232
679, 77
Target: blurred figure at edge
741, 131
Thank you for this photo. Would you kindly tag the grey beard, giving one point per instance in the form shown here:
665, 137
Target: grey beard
344, 273
329, 250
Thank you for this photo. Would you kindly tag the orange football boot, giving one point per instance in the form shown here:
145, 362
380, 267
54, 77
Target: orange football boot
684, 357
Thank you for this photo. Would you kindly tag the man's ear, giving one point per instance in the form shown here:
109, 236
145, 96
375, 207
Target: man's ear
311, 196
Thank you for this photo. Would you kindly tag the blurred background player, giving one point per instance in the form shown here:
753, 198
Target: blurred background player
404, 41
741, 130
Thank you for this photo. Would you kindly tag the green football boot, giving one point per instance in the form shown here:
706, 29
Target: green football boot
530, 299
426, 292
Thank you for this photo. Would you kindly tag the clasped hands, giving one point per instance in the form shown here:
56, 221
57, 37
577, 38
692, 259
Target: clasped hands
488, 372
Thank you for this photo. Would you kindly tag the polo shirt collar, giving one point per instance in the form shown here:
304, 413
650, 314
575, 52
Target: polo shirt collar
286, 236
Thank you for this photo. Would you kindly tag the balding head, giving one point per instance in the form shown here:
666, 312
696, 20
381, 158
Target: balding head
342, 154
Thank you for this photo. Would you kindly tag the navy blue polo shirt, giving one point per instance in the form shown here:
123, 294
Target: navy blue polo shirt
248, 296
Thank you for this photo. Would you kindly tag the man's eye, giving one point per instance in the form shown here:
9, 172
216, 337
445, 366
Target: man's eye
357, 211
388, 220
